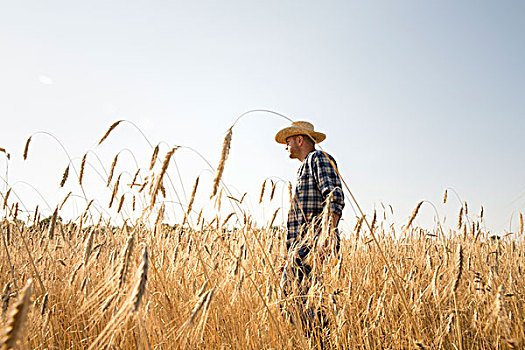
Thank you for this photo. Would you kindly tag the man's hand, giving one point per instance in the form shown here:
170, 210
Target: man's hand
334, 220
324, 248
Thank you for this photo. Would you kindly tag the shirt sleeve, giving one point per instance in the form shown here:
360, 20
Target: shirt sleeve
328, 181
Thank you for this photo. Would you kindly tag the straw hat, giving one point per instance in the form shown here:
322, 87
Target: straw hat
299, 128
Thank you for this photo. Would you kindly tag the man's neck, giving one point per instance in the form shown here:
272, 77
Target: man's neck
305, 154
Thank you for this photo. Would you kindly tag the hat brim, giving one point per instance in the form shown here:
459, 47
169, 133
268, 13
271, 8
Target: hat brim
283, 134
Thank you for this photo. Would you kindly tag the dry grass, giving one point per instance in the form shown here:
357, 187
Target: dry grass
356, 293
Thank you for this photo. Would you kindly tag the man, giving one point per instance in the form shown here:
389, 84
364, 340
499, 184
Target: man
317, 185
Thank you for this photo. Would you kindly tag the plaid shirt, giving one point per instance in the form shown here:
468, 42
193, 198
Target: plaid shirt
316, 179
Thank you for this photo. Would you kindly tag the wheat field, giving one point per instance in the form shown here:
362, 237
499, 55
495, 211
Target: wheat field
88, 283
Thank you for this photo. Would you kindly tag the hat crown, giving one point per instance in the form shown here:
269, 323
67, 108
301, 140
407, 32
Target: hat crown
304, 125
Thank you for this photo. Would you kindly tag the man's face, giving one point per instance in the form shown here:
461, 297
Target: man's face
292, 146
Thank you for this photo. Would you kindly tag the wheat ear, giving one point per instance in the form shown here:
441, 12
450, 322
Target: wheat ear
459, 268
154, 157
372, 225
224, 156
16, 320
192, 199
274, 185
358, 225
158, 180
6, 153
88, 247
26, 148
115, 190
52, 224
414, 214
65, 200
134, 178
481, 213
44, 304
6, 295
82, 167
121, 202
262, 191
460, 218
111, 171
6, 197
64, 177
273, 217
126, 255
113, 126
142, 277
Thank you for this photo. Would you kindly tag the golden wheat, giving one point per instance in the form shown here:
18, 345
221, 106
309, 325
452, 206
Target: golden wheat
224, 155
15, 323
111, 128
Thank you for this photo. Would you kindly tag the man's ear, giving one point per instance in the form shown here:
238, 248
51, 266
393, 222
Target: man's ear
300, 140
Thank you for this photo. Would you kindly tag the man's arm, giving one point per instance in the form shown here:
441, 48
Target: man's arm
329, 184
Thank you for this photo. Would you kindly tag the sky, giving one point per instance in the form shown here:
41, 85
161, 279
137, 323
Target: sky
414, 96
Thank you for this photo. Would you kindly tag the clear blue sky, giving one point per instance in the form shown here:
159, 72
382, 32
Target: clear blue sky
414, 96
